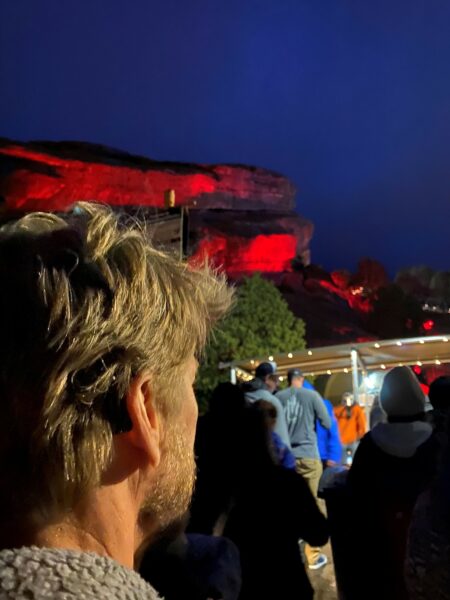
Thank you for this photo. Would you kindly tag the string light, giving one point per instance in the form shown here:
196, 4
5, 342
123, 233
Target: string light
252, 362
399, 344
418, 363
437, 362
281, 378
377, 345
270, 357
328, 372
290, 355
383, 366
445, 339
345, 370
421, 342
309, 353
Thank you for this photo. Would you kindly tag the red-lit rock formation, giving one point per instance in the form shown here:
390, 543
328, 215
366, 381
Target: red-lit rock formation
243, 218
54, 175
248, 241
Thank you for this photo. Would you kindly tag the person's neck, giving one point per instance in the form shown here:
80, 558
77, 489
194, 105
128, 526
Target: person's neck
105, 523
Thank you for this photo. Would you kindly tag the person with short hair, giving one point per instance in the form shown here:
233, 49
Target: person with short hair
99, 334
302, 408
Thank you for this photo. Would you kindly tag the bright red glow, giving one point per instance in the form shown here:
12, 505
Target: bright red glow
264, 253
425, 388
53, 182
75, 180
417, 370
355, 301
428, 325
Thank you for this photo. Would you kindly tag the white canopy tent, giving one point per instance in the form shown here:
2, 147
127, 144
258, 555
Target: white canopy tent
352, 358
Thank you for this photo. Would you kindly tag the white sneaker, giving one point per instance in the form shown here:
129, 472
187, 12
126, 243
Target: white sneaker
320, 562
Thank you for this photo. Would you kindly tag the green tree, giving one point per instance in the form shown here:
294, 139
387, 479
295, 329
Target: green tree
260, 324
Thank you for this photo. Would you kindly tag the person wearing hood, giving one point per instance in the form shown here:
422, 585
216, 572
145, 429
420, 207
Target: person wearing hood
394, 463
263, 387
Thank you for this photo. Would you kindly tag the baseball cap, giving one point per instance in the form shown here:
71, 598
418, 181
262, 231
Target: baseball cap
295, 373
266, 368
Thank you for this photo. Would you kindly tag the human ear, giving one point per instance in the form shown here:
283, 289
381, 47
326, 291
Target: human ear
145, 434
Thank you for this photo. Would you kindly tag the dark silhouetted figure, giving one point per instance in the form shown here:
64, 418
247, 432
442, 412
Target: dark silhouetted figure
428, 554
262, 507
439, 395
393, 465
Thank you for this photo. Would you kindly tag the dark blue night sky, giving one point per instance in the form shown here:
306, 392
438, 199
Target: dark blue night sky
349, 98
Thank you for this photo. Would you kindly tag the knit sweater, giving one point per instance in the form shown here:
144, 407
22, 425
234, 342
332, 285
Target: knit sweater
42, 573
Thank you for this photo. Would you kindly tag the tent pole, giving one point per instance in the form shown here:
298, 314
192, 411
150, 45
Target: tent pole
354, 359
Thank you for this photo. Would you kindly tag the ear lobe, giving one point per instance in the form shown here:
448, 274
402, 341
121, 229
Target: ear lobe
145, 434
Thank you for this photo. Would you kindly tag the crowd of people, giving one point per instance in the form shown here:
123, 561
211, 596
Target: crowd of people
101, 334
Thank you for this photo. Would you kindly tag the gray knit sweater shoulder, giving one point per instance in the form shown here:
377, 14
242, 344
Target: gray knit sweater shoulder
42, 573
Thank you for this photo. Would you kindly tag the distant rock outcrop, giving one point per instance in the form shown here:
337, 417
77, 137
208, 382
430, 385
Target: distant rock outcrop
243, 218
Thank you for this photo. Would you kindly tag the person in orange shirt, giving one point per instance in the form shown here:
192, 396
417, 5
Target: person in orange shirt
352, 426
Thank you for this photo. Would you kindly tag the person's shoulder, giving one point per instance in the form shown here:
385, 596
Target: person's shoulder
283, 394
261, 394
367, 441
311, 395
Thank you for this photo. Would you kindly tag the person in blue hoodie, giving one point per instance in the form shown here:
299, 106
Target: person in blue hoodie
328, 440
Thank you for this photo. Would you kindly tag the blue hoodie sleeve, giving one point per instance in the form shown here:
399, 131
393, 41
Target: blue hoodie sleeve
330, 447
284, 455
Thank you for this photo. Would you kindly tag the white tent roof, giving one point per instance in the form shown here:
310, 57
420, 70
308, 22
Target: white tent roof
382, 354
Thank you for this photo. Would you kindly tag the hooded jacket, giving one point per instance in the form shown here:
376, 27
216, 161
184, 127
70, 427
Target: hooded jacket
256, 390
393, 465
48, 573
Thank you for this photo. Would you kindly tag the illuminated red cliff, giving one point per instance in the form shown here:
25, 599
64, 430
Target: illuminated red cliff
242, 218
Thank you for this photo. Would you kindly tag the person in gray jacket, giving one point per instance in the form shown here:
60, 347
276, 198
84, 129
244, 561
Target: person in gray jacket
302, 407
263, 387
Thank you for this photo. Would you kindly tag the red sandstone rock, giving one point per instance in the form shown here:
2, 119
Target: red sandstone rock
241, 218
52, 176
248, 241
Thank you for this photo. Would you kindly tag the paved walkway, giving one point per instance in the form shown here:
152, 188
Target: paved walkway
323, 580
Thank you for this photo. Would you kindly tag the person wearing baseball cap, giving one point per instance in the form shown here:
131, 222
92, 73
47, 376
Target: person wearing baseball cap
302, 408
263, 387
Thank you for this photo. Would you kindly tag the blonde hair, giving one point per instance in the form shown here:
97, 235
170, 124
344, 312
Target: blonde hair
85, 306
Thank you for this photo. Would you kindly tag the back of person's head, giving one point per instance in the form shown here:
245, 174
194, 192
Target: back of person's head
86, 306
439, 394
295, 377
401, 396
265, 369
